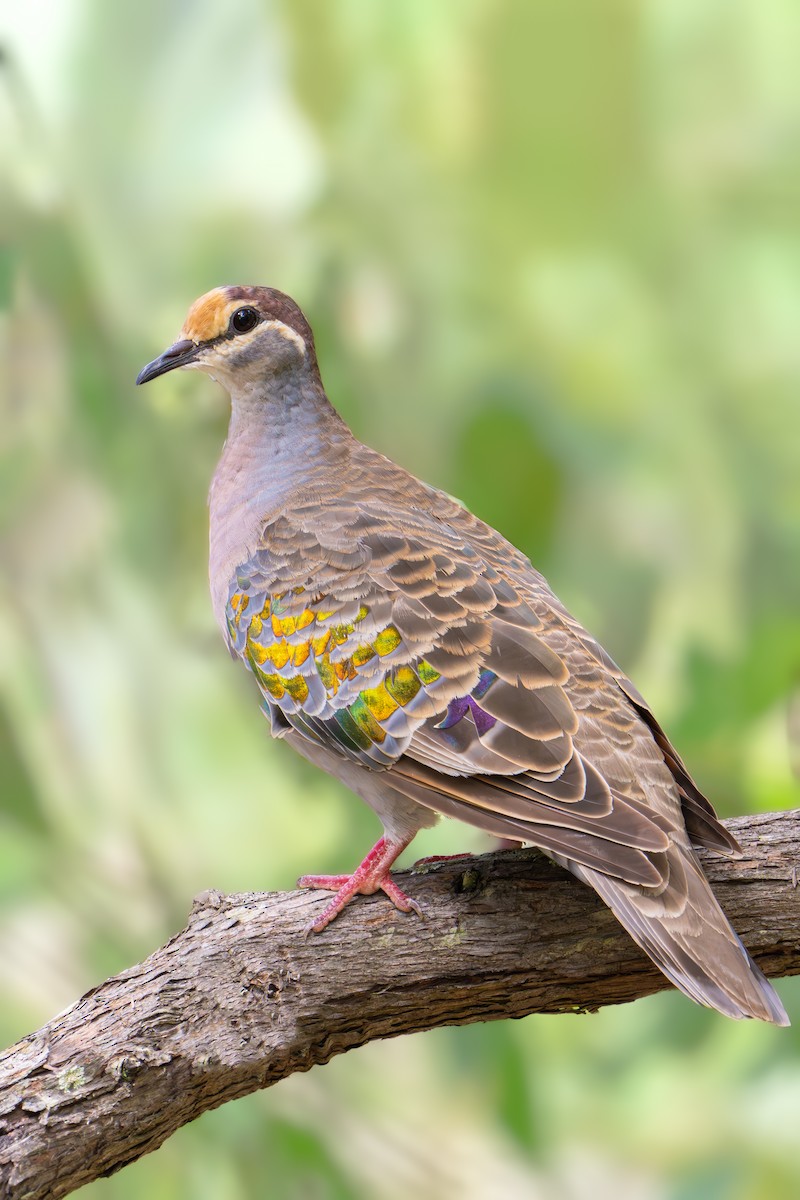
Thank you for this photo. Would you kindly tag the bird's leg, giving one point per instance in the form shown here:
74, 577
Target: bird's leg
371, 876
433, 859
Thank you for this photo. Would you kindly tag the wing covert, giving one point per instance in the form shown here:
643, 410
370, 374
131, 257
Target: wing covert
413, 655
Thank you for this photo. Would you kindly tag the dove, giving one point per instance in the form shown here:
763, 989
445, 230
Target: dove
404, 646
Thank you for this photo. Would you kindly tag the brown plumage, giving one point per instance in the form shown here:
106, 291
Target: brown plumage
406, 647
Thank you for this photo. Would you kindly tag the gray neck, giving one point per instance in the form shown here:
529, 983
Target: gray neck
284, 441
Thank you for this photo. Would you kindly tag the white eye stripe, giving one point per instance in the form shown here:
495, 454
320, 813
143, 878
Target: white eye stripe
232, 339
231, 342
286, 330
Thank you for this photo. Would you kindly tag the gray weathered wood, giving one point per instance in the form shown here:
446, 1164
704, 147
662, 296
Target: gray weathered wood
240, 999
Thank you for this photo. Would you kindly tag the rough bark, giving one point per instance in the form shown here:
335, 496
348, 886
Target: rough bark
240, 999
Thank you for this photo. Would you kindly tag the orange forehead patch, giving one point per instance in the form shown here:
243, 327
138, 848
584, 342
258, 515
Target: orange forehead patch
208, 317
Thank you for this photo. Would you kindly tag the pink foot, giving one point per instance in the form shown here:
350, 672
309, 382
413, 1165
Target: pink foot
371, 876
432, 859
440, 858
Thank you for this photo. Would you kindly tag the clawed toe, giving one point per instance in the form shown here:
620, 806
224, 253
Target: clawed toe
371, 876
326, 883
400, 900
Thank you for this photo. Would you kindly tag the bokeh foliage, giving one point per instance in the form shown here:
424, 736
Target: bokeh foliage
550, 250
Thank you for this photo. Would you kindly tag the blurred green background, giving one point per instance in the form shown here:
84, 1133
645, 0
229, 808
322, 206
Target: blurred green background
550, 251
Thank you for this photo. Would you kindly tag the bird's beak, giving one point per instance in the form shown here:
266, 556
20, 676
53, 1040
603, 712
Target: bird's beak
179, 355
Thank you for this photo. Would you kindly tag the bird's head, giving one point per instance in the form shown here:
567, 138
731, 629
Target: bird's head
239, 335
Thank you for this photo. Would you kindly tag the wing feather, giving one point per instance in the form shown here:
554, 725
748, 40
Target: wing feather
420, 670
439, 656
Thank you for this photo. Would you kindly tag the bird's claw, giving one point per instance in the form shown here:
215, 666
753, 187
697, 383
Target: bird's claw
371, 876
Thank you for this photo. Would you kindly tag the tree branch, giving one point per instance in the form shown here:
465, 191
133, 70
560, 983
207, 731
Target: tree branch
240, 999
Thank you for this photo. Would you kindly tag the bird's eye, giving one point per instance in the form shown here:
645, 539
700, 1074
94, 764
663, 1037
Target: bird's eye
244, 319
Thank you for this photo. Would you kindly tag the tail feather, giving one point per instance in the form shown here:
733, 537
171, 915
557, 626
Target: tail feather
695, 947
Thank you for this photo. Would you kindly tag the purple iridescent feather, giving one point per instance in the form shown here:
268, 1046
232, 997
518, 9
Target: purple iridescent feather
459, 707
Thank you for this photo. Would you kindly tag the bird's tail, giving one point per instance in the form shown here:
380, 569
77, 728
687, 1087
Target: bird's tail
689, 938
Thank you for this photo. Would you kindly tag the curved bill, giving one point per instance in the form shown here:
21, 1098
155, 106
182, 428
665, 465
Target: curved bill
179, 355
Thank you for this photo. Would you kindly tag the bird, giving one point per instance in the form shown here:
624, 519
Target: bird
407, 648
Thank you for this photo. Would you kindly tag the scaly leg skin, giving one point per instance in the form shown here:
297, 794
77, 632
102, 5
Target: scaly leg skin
371, 876
434, 859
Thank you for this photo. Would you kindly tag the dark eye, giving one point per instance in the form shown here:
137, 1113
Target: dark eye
244, 319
